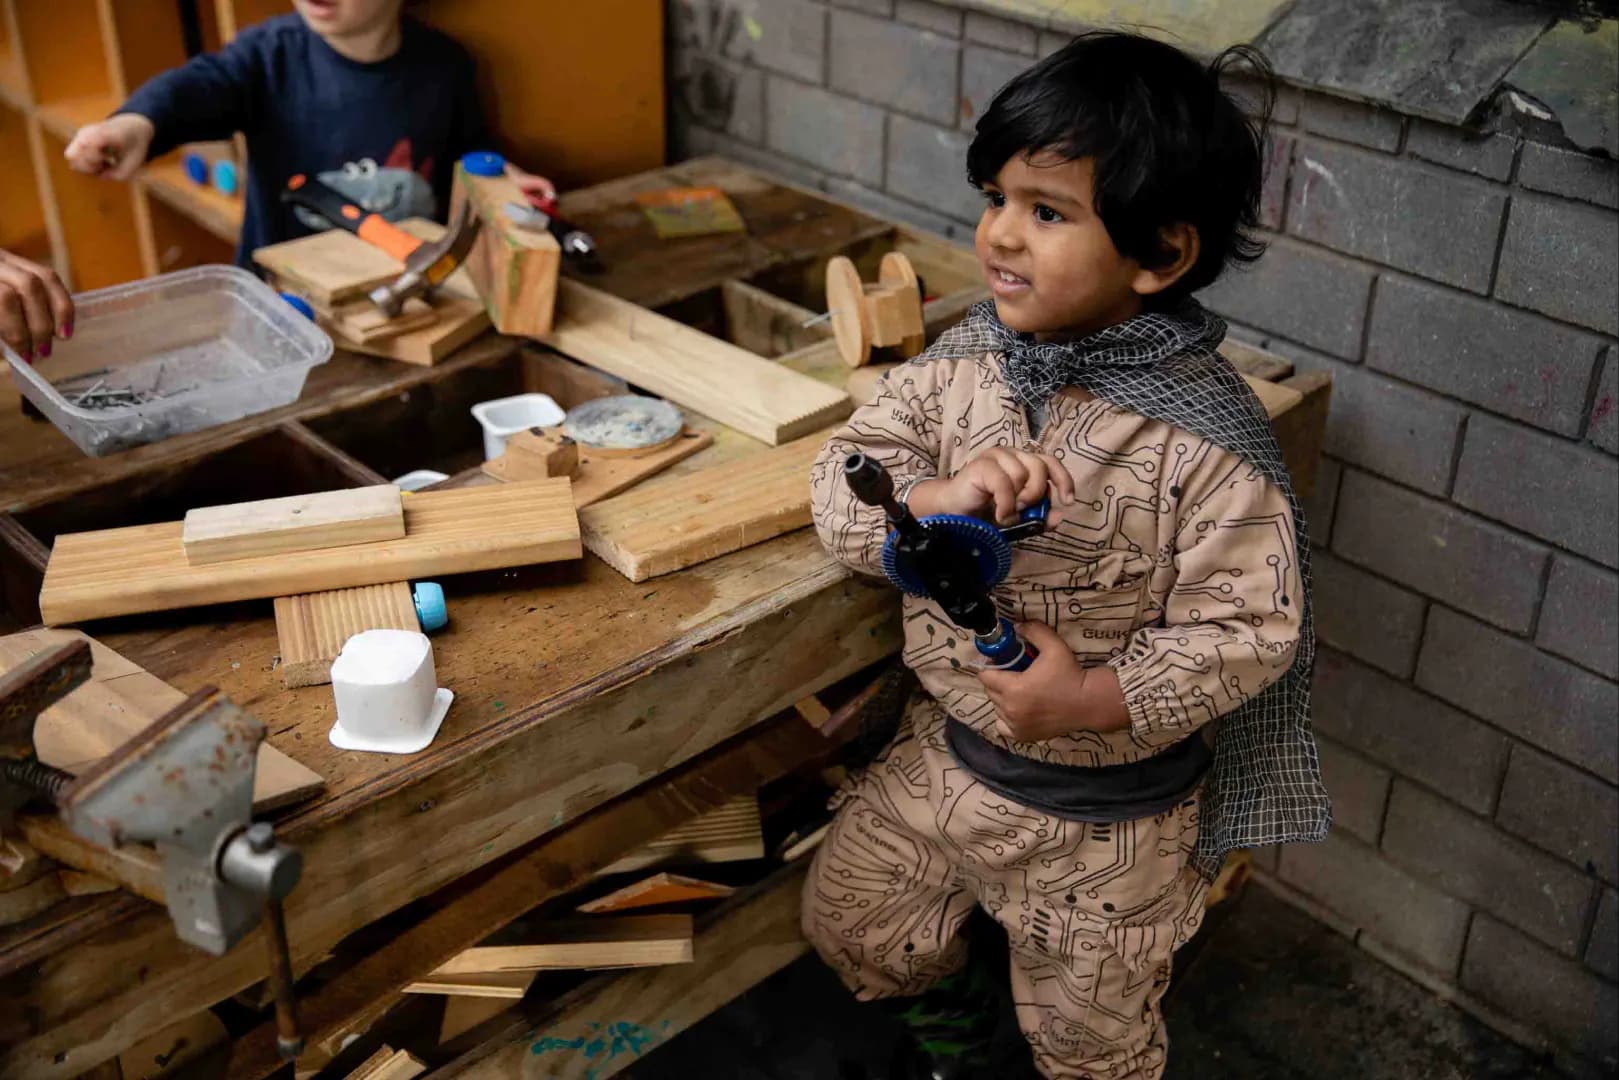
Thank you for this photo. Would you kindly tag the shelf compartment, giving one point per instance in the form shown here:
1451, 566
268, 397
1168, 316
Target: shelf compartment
205, 206
179, 241
64, 50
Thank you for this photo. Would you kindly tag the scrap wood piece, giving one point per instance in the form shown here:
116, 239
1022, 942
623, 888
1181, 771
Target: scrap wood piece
389, 1064
730, 833
656, 891
601, 476
573, 944
96, 575
509, 985
685, 520
514, 267
462, 1014
363, 322
692, 369
320, 519
120, 700
312, 628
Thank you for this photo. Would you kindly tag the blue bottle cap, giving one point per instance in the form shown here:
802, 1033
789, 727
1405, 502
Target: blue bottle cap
484, 163
430, 609
300, 305
196, 168
225, 177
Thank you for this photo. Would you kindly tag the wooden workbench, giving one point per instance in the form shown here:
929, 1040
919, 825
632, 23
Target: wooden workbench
573, 685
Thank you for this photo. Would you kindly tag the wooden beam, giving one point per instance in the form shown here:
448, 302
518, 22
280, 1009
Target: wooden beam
322, 519
630, 941
742, 944
389, 1064
125, 571
658, 528
690, 368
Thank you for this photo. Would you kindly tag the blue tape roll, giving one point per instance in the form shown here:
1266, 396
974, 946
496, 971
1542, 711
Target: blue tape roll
484, 163
430, 609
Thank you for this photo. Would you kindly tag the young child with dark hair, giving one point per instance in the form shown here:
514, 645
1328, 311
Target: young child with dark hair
374, 104
1085, 803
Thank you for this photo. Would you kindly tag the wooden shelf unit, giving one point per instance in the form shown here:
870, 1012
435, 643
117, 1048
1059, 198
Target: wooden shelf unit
593, 110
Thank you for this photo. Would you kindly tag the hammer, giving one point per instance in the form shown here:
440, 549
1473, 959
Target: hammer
427, 264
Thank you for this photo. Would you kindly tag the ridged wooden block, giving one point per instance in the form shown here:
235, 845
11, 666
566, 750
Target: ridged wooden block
312, 628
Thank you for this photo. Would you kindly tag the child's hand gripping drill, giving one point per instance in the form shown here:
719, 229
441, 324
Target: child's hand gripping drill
956, 559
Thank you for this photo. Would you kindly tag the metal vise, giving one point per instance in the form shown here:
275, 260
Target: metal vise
184, 785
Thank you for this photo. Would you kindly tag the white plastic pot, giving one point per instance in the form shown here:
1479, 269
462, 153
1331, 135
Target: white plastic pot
388, 700
504, 417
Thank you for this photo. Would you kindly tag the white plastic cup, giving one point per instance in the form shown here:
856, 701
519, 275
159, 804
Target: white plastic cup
388, 700
504, 417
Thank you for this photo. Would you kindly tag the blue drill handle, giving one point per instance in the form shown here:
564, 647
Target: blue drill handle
1004, 650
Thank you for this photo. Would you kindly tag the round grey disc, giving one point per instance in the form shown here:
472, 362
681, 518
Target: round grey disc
627, 422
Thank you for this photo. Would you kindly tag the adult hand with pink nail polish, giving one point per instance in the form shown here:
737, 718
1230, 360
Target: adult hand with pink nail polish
34, 306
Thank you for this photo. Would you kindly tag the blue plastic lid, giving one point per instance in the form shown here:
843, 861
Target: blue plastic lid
484, 163
430, 609
196, 168
225, 176
300, 305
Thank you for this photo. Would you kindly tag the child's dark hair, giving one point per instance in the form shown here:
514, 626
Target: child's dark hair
1169, 144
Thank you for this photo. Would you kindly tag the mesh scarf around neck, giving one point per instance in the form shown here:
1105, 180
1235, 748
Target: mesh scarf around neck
1264, 786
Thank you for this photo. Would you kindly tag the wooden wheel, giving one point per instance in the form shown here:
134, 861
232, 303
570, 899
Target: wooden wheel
845, 300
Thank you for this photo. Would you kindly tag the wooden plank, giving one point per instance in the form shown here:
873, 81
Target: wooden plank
363, 322
124, 571
322, 519
389, 1064
312, 628
509, 985
690, 368
730, 833
630, 941
1252, 360
1276, 399
603, 476
457, 319
743, 944
1302, 428
118, 702
684, 520
656, 891
513, 268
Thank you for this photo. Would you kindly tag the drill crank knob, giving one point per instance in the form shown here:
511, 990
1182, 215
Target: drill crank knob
868, 479
484, 163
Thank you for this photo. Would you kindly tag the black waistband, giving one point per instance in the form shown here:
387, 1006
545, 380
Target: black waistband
1125, 792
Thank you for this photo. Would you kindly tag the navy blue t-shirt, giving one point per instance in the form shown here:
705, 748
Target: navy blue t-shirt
387, 134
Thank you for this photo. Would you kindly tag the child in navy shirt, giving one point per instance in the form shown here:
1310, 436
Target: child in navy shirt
378, 106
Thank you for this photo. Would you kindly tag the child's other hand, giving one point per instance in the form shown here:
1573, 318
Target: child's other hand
535, 188
1001, 481
113, 148
1054, 695
34, 307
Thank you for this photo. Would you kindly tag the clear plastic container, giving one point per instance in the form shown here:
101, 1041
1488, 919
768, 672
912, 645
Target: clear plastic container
169, 355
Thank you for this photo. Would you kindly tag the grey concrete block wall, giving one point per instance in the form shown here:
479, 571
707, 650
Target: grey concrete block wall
1461, 287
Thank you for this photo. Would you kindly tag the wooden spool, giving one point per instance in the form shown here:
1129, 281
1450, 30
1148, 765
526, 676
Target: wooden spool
886, 314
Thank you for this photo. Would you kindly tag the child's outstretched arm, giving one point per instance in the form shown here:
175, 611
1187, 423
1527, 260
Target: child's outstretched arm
1231, 623
212, 96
